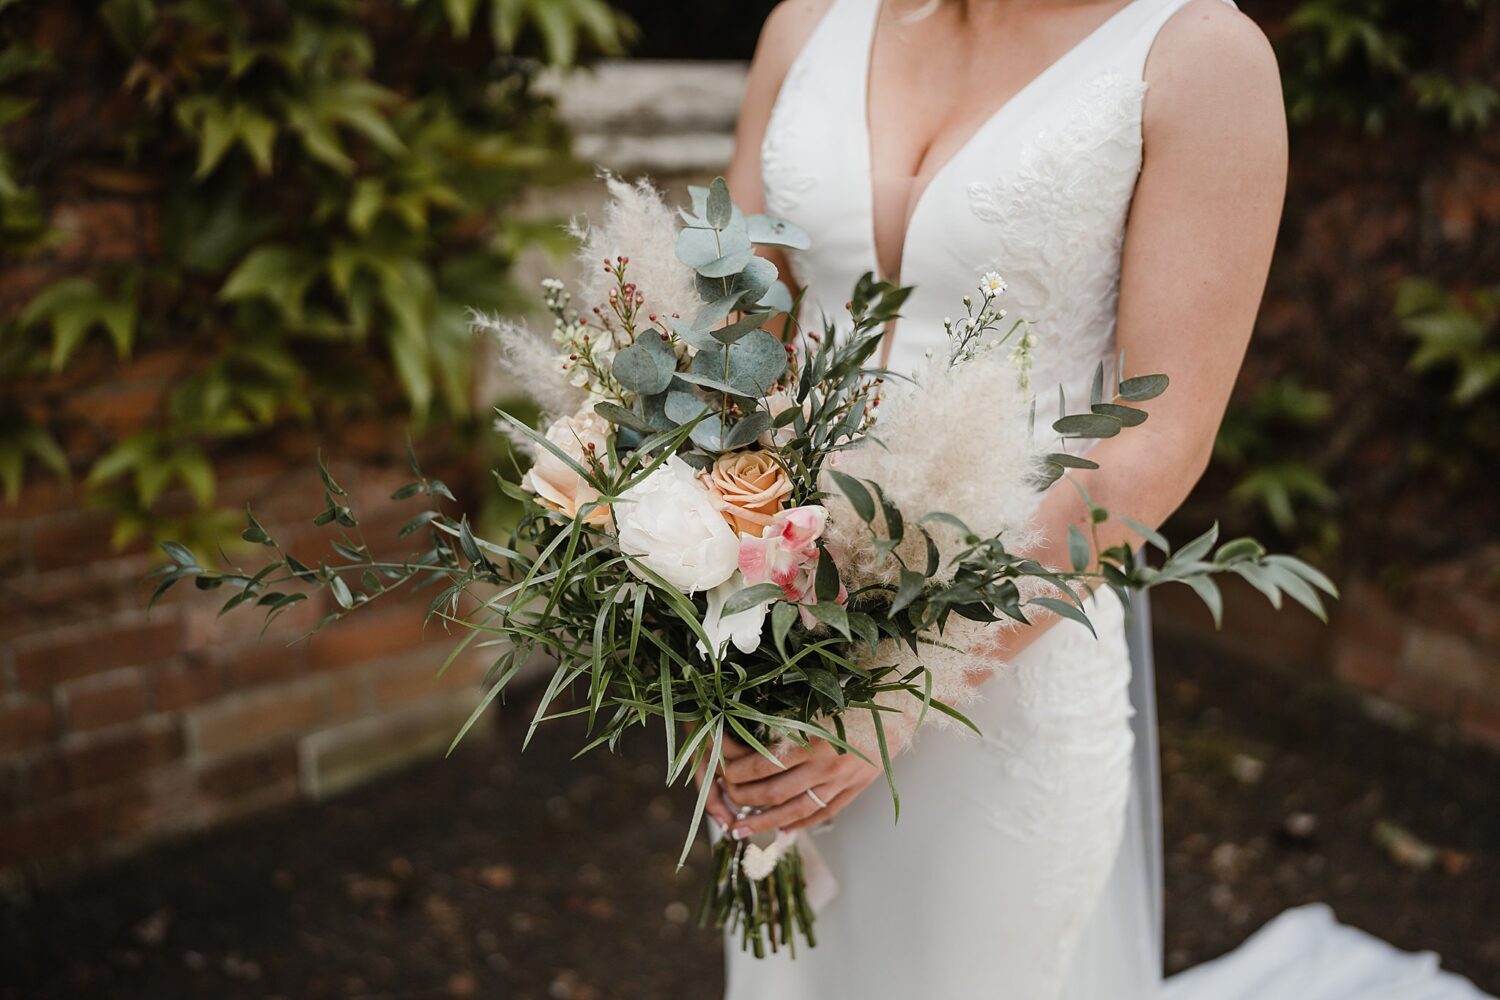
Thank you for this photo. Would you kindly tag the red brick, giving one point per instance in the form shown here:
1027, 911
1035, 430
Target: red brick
116, 408
1479, 720
370, 636
1446, 658
243, 721
14, 547
235, 776
55, 658
416, 678
1365, 667
76, 538
177, 686
99, 230
60, 600
106, 700
1433, 699
346, 697
1364, 614
265, 662
41, 495
26, 723
104, 759
45, 833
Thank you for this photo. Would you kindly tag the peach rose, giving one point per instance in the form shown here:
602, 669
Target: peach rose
748, 488
583, 438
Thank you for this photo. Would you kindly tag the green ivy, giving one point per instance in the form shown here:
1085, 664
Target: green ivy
1271, 476
333, 179
1359, 61
1453, 333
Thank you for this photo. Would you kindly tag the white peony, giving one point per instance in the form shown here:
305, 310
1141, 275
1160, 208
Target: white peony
669, 523
742, 627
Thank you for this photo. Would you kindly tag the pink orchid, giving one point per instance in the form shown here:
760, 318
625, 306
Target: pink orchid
787, 555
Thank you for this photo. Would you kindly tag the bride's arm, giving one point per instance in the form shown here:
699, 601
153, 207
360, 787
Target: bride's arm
1197, 250
785, 32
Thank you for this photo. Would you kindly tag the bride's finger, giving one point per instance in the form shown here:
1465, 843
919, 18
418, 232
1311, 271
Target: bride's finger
835, 805
755, 765
734, 749
717, 805
781, 817
778, 788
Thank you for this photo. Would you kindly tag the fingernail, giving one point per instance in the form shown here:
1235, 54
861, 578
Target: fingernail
740, 832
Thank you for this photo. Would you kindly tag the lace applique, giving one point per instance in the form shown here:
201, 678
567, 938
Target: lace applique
783, 177
1059, 216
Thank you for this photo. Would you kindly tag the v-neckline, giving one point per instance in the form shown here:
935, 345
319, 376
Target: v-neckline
914, 204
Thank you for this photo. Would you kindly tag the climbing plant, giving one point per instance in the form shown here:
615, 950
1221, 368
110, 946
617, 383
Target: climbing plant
330, 180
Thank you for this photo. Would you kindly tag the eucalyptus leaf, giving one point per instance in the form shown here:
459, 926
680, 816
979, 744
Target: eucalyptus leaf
778, 298
683, 407
1087, 425
1143, 387
747, 430
1129, 416
642, 369
718, 209
769, 230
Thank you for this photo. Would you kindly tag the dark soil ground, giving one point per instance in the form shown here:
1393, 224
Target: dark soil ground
493, 875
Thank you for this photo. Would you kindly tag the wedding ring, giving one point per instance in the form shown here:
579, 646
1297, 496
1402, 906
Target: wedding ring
814, 796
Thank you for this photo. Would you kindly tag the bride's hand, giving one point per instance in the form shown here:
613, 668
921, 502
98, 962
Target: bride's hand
782, 792
720, 809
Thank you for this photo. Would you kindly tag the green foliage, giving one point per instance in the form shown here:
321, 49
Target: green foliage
1453, 333
1360, 61
332, 180
1273, 477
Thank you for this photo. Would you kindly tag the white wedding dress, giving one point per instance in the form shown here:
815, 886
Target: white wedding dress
1026, 863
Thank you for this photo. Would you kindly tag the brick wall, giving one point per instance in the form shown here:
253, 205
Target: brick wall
118, 725
1428, 650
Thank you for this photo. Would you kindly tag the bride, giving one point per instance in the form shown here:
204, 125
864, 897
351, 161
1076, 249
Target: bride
1122, 165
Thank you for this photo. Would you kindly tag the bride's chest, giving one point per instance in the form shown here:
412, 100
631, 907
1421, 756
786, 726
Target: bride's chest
1040, 195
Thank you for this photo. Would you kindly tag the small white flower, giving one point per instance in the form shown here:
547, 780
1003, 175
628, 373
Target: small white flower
552, 284
742, 628
992, 284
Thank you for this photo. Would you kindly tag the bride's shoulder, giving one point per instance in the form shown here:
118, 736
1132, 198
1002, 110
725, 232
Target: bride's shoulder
1212, 62
786, 30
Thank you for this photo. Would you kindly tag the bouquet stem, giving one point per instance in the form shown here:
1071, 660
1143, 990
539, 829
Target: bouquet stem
770, 911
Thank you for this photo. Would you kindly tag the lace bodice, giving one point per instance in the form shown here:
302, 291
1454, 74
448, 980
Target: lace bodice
1039, 193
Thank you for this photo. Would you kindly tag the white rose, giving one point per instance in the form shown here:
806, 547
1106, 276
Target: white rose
668, 522
742, 627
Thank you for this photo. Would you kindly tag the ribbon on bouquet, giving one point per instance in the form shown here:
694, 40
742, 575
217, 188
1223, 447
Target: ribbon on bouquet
763, 851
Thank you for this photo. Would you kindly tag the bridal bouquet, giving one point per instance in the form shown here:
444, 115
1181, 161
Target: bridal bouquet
728, 533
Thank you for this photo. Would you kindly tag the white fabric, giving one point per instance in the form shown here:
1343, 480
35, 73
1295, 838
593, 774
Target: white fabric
1026, 864
1305, 955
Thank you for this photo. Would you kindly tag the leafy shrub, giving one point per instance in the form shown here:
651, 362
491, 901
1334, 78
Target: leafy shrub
1366, 62
331, 180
